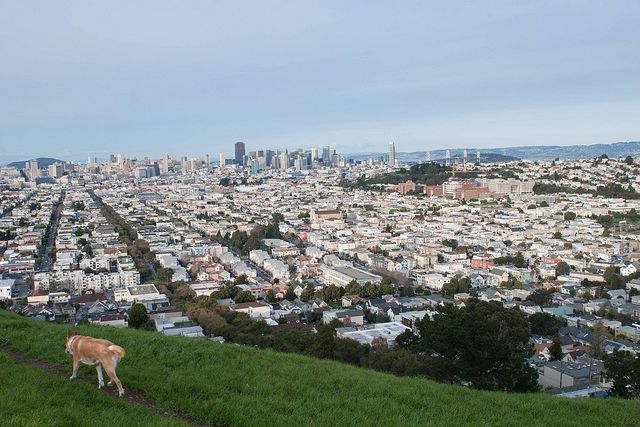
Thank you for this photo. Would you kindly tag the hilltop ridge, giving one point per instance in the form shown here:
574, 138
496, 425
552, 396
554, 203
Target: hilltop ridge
226, 384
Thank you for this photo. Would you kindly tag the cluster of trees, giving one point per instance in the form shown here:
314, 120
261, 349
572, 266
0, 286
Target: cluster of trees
517, 260
610, 190
615, 190
483, 345
425, 174
614, 218
456, 286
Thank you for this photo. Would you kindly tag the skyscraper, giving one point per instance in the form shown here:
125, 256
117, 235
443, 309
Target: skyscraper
391, 154
240, 151
222, 160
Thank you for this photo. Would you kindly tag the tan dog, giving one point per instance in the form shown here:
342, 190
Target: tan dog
98, 353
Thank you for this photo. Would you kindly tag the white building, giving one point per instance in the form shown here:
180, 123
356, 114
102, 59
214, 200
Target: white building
342, 276
6, 285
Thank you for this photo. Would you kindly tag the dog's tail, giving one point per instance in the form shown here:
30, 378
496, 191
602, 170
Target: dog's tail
117, 350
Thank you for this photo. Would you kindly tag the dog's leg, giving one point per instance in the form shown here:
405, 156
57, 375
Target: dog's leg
100, 379
114, 379
76, 365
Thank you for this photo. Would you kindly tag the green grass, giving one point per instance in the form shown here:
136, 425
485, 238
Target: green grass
241, 386
31, 397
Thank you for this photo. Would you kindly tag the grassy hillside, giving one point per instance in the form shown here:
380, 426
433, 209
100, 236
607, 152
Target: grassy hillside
241, 386
30, 397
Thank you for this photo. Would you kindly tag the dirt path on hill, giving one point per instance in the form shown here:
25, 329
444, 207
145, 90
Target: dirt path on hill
130, 396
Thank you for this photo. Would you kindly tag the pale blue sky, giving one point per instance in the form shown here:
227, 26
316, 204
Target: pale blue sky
192, 77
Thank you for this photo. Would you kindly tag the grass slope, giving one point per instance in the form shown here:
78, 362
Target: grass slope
30, 397
242, 386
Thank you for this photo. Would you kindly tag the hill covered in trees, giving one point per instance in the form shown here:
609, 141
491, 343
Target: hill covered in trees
425, 174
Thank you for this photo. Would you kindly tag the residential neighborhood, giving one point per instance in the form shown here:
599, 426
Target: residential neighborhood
292, 246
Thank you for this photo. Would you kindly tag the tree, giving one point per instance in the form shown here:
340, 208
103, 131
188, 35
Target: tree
540, 297
613, 278
569, 216
138, 315
164, 275
624, 369
452, 243
555, 350
307, 293
557, 235
519, 261
353, 288
370, 290
271, 296
325, 343
387, 288
563, 269
482, 344
182, 293
456, 286
290, 295
545, 324
244, 296
628, 160
241, 280
407, 291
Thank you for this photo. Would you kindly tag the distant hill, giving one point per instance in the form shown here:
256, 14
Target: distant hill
234, 385
43, 162
531, 152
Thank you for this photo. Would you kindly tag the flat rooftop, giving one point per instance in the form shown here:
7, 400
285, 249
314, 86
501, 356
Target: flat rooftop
355, 273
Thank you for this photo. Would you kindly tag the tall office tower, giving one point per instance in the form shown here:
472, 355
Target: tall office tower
325, 155
284, 160
428, 156
240, 151
32, 169
254, 166
391, 154
314, 154
260, 153
448, 158
478, 156
207, 160
222, 160
269, 158
332, 153
464, 157
164, 165
55, 170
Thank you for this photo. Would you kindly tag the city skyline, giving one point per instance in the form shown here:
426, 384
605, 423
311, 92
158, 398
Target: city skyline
97, 79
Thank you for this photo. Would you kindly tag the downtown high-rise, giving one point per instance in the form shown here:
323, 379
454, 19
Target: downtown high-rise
240, 152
